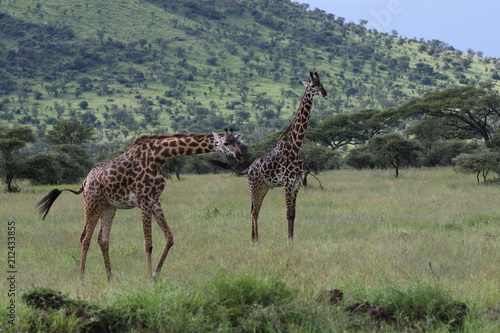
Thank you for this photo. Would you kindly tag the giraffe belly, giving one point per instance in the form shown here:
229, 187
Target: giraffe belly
278, 180
274, 182
126, 202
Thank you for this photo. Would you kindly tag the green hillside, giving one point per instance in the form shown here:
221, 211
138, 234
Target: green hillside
131, 66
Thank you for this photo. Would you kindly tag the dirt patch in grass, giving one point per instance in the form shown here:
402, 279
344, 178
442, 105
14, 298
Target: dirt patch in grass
375, 313
492, 313
366, 315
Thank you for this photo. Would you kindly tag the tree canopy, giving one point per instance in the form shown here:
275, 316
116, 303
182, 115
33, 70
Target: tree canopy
342, 129
72, 132
12, 140
470, 109
392, 149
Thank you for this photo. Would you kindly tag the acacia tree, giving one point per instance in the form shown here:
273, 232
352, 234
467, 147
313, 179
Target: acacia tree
316, 159
475, 110
354, 128
392, 149
479, 163
12, 140
72, 132
440, 143
360, 158
67, 164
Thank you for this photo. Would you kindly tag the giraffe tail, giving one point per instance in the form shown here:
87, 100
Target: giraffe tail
227, 166
47, 201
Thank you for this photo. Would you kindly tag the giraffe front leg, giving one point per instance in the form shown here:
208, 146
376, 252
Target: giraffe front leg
169, 237
291, 192
103, 239
255, 225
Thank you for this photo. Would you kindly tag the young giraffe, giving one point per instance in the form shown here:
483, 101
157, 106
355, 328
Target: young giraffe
282, 166
133, 179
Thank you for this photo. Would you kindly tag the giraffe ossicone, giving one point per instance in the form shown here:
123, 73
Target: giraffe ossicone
134, 179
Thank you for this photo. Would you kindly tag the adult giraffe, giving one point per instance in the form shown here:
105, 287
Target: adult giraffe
133, 179
282, 166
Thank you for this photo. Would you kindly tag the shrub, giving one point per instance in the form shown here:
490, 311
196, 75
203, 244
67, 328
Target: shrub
480, 163
83, 104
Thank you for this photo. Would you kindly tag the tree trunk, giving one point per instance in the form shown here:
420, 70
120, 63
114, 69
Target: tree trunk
8, 180
304, 180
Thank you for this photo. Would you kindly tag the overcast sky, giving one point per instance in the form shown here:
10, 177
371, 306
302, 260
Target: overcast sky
463, 24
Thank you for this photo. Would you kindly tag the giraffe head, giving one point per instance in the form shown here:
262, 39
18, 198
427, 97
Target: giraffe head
229, 143
315, 85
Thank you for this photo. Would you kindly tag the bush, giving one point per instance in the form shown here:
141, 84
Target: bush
443, 152
43, 169
83, 105
68, 164
360, 158
480, 163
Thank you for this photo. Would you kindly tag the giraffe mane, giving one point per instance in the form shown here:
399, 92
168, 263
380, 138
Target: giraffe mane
146, 137
285, 132
288, 129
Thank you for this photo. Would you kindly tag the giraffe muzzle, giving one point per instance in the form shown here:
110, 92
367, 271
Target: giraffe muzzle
239, 157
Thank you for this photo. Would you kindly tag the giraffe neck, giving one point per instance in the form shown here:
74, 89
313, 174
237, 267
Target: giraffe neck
164, 148
294, 135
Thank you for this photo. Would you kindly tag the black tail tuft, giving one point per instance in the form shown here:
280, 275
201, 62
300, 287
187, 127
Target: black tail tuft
47, 201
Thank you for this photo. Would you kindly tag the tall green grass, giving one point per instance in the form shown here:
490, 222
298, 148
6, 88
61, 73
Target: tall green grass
430, 233
230, 303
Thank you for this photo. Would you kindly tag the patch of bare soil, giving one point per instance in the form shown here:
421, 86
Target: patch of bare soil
376, 313
492, 313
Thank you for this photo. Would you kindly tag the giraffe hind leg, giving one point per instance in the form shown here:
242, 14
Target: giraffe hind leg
258, 193
85, 238
146, 212
291, 200
106, 221
169, 237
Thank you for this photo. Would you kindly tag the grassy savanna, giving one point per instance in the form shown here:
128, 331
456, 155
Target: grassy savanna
365, 233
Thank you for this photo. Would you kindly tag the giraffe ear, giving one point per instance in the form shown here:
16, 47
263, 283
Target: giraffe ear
238, 137
305, 83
